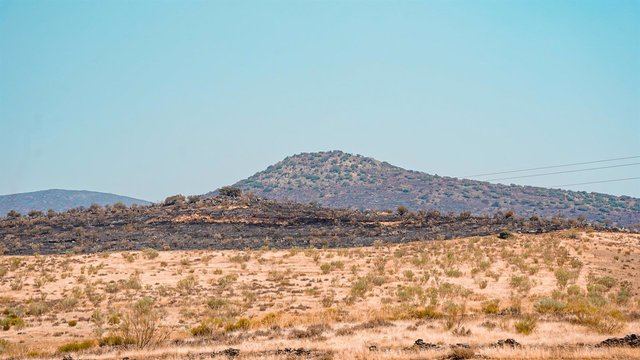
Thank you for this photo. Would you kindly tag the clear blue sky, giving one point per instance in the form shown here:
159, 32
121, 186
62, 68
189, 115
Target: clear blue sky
149, 99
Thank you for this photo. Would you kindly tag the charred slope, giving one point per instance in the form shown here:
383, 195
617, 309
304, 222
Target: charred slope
224, 222
342, 180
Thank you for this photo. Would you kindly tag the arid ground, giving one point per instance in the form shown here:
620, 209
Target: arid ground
558, 295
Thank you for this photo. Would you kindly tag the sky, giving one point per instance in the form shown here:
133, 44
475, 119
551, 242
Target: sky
153, 98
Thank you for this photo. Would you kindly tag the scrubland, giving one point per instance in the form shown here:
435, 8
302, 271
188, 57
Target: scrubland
557, 294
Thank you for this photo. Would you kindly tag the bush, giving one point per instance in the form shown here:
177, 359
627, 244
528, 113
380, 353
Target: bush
150, 253
11, 320
187, 285
550, 306
77, 346
140, 324
526, 325
230, 191
491, 307
4, 345
174, 200
202, 329
520, 283
216, 303
113, 340
562, 277
241, 324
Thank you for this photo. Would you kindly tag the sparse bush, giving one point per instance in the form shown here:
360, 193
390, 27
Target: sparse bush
113, 340
11, 319
526, 325
549, 306
202, 329
76, 346
491, 307
150, 253
187, 285
520, 283
562, 277
140, 324
240, 324
4, 346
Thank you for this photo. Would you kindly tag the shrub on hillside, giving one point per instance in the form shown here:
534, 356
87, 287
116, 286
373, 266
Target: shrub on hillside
230, 191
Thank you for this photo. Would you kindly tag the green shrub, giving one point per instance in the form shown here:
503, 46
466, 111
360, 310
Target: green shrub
11, 320
77, 346
549, 306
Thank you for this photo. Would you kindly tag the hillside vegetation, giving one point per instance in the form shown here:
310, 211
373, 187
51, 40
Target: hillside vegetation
342, 180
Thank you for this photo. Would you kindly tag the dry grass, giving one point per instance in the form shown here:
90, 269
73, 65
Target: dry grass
549, 292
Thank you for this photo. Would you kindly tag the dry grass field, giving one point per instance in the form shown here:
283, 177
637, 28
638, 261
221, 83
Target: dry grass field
556, 294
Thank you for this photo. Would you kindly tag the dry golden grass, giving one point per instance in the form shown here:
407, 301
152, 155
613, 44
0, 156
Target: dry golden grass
549, 292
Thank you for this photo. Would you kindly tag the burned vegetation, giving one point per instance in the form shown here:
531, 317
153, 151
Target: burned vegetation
239, 221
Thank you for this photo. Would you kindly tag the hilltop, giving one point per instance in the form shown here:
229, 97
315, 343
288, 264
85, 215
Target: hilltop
342, 180
61, 200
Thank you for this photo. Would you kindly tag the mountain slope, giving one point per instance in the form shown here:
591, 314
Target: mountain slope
338, 179
60, 200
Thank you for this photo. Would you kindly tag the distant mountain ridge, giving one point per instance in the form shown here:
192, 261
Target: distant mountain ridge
338, 179
60, 200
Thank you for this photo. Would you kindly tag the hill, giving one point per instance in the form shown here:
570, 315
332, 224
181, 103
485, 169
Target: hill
60, 200
342, 180
240, 222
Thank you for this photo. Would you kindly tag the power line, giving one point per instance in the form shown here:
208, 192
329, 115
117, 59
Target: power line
565, 172
599, 182
552, 166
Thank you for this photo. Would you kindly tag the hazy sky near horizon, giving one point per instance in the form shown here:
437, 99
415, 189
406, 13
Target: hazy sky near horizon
150, 98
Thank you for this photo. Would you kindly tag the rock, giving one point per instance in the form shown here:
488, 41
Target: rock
67, 357
231, 352
373, 348
420, 344
296, 352
506, 343
631, 340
